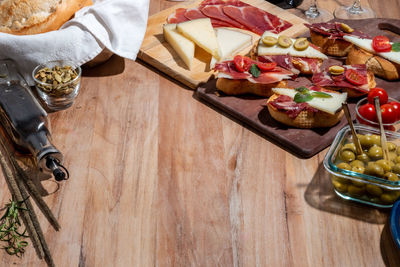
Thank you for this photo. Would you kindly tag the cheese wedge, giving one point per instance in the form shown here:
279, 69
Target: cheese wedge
230, 42
366, 44
201, 32
329, 105
182, 46
309, 52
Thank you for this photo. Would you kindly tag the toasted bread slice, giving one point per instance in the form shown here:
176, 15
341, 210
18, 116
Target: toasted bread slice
306, 119
331, 47
240, 87
379, 66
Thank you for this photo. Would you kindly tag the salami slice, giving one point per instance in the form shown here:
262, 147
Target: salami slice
255, 19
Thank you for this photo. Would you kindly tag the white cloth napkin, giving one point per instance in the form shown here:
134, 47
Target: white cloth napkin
118, 25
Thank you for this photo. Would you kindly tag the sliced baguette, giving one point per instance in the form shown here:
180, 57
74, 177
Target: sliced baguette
240, 87
306, 119
378, 65
331, 47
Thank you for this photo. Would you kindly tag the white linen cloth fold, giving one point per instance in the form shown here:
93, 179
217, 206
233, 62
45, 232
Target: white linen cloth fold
118, 25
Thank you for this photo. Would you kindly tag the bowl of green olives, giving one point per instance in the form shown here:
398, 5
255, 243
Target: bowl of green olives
366, 178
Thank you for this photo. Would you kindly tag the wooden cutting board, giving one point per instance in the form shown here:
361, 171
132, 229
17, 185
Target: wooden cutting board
303, 143
156, 52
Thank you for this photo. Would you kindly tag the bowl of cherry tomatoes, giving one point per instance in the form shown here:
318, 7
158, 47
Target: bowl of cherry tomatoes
390, 109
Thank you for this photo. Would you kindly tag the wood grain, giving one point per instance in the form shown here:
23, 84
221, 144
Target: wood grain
160, 179
159, 54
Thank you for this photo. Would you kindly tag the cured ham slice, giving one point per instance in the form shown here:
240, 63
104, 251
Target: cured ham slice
284, 61
216, 12
333, 30
178, 16
309, 64
325, 79
228, 70
292, 109
256, 19
195, 13
221, 2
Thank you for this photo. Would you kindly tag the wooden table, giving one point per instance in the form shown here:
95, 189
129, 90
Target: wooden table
160, 179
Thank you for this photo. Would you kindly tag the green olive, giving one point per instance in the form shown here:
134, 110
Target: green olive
385, 164
398, 150
358, 169
349, 146
284, 41
357, 162
355, 190
375, 152
344, 166
347, 156
376, 139
391, 176
396, 168
374, 190
357, 183
366, 141
397, 159
269, 40
340, 186
392, 156
301, 44
391, 146
388, 198
374, 169
363, 157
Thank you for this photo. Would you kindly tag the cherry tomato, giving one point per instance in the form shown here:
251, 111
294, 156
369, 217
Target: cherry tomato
267, 66
381, 44
396, 107
381, 93
242, 63
368, 111
389, 115
355, 77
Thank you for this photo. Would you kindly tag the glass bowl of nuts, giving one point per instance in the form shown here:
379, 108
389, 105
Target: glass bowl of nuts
57, 83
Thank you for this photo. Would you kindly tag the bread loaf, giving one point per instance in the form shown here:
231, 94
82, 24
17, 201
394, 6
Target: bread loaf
37, 16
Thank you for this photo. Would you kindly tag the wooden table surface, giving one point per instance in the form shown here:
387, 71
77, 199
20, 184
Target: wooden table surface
160, 179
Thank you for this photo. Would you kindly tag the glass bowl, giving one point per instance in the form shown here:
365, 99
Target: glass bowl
362, 120
57, 83
365, 188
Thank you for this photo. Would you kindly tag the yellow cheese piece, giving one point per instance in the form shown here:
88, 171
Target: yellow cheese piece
201, 32
182, 46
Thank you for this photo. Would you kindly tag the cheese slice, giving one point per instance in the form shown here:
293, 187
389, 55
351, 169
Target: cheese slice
366, 44
329, 105
182, 46
201, 32
309, 52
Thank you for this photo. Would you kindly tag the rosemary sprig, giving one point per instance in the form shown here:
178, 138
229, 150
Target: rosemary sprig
10, 233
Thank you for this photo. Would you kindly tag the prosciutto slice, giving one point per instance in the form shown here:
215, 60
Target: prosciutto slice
333, 30
292, 109
195, 13
178, 16
221, 2
216, 12
228, 70
257, 20
325, 79
284, 61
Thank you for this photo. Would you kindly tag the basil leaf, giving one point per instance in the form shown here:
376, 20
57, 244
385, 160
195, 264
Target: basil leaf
254, 70
300, 98
321, 94
302, 89
396, 47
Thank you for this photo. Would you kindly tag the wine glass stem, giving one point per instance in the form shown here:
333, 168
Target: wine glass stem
356, 7
312, 11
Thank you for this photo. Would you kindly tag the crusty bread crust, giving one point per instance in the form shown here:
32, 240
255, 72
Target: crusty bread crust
306, 119
37, 16
304, 69
331, 47
240, 87
379, 66
351, 93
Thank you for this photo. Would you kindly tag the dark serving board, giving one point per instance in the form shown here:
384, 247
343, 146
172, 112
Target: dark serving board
303, 143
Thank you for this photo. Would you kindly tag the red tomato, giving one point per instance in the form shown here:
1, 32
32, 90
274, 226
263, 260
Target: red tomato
389, 115
267, 66
396, 107
381, 44
368, 111
242, 64
355, 77
381, 93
